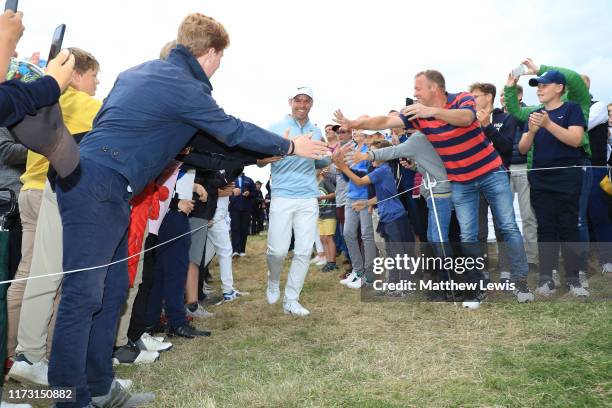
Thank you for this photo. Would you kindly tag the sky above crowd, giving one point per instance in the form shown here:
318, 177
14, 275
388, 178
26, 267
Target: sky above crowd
359, 56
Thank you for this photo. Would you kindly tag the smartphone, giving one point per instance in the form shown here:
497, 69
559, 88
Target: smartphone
409, 101
11, 5
56, 42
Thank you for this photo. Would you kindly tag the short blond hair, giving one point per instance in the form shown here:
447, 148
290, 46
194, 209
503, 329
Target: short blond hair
199, 33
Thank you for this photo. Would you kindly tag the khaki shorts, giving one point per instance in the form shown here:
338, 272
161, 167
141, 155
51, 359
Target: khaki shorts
327, 226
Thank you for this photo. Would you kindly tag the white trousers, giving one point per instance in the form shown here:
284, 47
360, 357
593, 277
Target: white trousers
219, 241
300, 216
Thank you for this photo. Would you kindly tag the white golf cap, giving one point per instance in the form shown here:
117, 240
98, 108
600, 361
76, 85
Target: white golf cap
302, 90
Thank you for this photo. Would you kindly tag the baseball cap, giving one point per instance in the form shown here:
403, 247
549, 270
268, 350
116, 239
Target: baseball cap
46, 134
548, 77
302, 90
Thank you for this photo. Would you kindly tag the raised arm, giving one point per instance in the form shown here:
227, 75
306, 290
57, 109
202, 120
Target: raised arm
368, 123
201, 111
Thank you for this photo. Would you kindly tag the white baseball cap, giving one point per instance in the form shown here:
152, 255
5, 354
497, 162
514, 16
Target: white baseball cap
302, 90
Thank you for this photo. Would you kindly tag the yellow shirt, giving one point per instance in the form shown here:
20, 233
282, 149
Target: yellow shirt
78, 110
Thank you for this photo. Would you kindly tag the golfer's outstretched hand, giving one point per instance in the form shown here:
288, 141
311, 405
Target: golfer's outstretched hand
312, 149
61, 68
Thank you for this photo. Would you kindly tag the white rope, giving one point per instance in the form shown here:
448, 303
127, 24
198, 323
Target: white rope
497, 171
103, 266
429, 185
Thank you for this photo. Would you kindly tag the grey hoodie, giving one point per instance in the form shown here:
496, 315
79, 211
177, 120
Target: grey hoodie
418, 148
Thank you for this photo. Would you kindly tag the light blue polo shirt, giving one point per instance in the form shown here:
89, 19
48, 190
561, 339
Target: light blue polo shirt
294, 177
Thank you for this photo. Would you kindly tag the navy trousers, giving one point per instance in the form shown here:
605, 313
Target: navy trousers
94, 205
171, 263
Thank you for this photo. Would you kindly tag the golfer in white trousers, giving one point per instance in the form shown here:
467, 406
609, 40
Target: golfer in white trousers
293, 207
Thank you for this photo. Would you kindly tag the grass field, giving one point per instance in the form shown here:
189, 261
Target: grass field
349, 353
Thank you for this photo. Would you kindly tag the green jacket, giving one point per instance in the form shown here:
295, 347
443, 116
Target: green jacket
575, 91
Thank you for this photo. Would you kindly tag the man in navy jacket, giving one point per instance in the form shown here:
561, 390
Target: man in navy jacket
149, 116
241, 208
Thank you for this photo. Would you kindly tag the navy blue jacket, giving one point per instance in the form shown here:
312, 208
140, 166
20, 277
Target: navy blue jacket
18, 99
153, 111
242, 203
501, 132
512, 129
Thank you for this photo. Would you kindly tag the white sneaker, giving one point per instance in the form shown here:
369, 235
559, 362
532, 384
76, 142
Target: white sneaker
606, 268
315, 260
4, 404
200, 312
471, 304
233, 295
295, 309
583, 279
351, 276
132, 354
26, 372
322, 261
556, 279
234, 254
355, 283
579, 291
148, 343
273, 291
242, 254
545, 290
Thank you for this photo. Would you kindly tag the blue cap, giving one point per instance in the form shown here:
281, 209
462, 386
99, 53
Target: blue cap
549, 77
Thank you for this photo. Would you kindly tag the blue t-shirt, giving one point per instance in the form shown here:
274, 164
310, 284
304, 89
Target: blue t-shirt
354, 191
293, 176
550, 151
384, 183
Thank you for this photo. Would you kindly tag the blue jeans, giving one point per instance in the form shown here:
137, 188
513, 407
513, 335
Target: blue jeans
94, 205
170, 272
441, 248
496, 189
444, 208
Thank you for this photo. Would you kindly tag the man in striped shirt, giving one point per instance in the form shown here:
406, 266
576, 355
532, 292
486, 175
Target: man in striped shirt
472, 164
